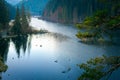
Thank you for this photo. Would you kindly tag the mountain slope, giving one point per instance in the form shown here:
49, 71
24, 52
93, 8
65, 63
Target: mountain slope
13, 2
70, 11
11, 10
35, 6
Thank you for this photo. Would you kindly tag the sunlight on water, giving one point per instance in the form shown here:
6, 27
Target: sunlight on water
44, 42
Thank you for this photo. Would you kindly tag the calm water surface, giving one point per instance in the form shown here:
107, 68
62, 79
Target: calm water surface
51, 56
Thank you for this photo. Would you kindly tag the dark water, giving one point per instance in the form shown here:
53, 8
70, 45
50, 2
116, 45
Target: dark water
50, 56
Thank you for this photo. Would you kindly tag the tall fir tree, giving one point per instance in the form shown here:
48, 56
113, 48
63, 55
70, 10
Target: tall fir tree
21, 24
4, 14
17, 28
24, 21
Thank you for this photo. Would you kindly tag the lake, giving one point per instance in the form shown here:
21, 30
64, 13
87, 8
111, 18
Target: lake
51, 56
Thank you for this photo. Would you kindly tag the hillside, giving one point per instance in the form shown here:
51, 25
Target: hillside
71, 11
13, 2
11, 10
35, 6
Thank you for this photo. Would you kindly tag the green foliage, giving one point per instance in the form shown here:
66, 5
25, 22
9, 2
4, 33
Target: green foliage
94, 21
100, 17
102, 21
85, 35
88, 21
97, 19
99, 23
3, 67
100, 67
114, 22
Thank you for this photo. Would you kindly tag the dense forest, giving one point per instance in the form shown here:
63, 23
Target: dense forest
65, 11
74, 11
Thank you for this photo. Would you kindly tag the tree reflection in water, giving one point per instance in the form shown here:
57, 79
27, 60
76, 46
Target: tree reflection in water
20, 42
4, 48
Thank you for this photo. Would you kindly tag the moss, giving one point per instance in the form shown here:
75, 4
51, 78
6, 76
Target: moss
113, 22
84, 35
3, 67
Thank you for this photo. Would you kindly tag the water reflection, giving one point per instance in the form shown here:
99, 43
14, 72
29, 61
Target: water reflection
4, 48
24, 42
20, 42
29, 43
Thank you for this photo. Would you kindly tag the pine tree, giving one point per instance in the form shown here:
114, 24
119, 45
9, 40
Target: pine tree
4, 14
17, 29
24, 21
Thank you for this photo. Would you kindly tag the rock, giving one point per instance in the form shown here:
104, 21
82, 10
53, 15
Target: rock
63, 72
8, 74
40, 45
66, 71
56, 61
13, 58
